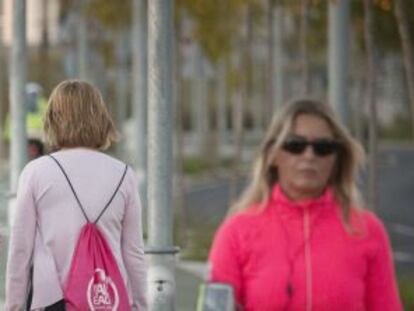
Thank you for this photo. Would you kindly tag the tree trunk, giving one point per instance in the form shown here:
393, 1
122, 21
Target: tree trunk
271, 59
275, 62
238, 134
199, 101
238, 109
338, 32
371, 83
359, 110
121, 89
82, 42
221, 104
304, 25
45, 25
70, 64
278, 68
254, 107
408, 52
44, 46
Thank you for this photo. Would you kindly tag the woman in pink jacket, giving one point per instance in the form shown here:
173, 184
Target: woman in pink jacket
297, 239
48, 219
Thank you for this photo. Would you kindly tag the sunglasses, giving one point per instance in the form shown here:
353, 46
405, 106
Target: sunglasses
321, 146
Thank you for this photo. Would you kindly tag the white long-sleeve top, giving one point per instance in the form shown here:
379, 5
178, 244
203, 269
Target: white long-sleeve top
48, 221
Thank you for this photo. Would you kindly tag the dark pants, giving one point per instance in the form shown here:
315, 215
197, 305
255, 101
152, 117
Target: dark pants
58, 306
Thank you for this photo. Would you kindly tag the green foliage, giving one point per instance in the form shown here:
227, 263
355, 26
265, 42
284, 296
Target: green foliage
385, 29
399, 129
195, 165
406, 288
65, 7
113, 14
198, 241
386, 33
49, 72
318, 29
218, 23
235, 78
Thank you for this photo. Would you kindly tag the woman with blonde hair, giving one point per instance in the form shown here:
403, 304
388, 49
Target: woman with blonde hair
48, 219
298, 238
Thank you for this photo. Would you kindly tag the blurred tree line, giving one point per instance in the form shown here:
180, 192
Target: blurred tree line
226, 56
223, 29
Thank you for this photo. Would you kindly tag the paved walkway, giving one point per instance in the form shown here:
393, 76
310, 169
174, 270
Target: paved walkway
188, 279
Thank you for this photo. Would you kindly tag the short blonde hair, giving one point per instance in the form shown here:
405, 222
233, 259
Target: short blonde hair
343, 178
76, 116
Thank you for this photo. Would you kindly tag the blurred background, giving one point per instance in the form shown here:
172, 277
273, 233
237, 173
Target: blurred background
235, 62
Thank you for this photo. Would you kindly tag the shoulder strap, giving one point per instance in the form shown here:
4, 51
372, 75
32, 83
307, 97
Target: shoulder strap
71, 187
113, 195
77, 198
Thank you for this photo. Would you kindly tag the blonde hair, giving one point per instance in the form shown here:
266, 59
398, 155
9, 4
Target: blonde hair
343, 180
76, 116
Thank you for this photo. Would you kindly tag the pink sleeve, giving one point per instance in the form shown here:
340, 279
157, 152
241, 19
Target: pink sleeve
381, 288
21, 243
133, 246
224, 259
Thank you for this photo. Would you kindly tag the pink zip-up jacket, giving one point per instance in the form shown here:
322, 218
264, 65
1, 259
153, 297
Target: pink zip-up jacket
298, 256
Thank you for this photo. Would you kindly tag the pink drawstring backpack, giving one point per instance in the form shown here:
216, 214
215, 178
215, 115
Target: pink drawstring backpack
94, 282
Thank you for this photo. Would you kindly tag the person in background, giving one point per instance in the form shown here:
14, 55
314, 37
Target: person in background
35, 109
48, 221
298, 238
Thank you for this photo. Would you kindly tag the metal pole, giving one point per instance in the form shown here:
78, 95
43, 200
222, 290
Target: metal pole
18, 149
161, 274
338, 39
139, 91
2, 110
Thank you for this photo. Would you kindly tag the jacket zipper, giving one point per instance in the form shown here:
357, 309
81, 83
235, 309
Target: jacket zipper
308, 261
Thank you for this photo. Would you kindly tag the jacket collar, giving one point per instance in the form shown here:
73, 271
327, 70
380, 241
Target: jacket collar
283, 202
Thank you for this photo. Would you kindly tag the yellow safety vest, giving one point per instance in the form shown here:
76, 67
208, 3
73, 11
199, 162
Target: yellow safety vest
34, 121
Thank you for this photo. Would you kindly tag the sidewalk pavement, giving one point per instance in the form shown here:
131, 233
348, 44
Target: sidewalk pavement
189, 276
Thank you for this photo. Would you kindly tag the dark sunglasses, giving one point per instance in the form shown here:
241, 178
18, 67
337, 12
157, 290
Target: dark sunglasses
320, 146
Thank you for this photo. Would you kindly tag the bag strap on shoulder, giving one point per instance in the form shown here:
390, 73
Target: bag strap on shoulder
76, 195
